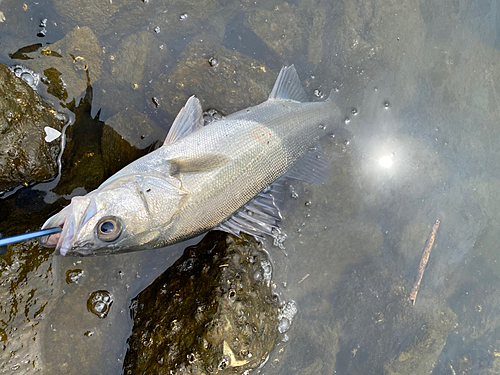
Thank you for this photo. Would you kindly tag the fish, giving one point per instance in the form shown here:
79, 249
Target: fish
224, 175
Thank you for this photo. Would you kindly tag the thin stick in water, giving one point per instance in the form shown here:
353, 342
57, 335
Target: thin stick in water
423, 262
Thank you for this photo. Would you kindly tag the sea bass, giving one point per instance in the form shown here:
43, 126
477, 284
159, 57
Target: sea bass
203, 177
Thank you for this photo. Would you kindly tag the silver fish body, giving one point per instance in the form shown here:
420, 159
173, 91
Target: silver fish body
202, 177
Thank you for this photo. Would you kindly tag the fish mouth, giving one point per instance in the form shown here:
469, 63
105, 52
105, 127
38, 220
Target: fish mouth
71, 218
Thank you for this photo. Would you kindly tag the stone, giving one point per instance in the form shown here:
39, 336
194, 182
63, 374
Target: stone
69, 64
234, 83
284, 29
212, 312
127, 71
25, 156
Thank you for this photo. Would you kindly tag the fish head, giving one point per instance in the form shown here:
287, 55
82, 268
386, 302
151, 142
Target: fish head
127, 214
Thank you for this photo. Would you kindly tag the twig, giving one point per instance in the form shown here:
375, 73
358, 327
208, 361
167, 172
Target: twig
305, 277
423, 262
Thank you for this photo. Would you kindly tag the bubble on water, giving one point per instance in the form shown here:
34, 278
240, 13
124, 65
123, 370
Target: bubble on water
211, 115
99, 303
187, 265
27, 75
286, 315
213, 62
278, 238
155, 101
284, 324
267, 270
28, 78
318, 93
73, 276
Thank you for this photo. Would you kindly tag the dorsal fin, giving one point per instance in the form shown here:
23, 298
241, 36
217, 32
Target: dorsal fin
287, 86
189, 119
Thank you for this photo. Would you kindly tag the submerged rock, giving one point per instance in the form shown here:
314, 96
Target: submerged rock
69, 64
284, 29
232, 83
25, 156
212, 312
128, 69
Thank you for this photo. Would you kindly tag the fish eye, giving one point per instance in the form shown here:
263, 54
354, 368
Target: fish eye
108, 229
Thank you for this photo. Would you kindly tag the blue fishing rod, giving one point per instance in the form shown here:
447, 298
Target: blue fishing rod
28, 236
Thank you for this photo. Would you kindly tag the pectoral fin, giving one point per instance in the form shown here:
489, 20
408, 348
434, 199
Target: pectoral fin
197, 164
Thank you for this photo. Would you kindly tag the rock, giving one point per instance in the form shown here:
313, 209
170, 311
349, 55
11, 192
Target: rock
94, 13
25, 156
284, 29
69, 64
378, 40
118, 17
212, 312
181, 17
230, 83
120, 134
128, 70
135, 128
96, 150
26, 282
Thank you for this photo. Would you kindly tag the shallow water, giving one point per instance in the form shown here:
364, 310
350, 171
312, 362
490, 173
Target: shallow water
417, 84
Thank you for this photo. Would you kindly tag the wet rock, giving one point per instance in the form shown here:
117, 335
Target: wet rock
96, 150
94, 13
284, 29
25, 156
378, 311
315, 43
135, 128
26, 280
383, 39
368, 327
182, 17
236, 82
212, 312
128, 69
66, 63
130, 135
117, 18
